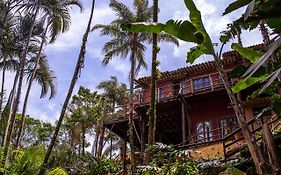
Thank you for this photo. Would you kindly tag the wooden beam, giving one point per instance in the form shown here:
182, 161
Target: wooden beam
142, 135
183, 123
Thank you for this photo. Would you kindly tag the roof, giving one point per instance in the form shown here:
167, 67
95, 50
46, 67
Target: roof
229, 58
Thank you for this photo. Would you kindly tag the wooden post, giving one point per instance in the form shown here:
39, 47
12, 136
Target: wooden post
124, 157
142, 134
208, 134
271, 147
188, 119
183, 122
211, 82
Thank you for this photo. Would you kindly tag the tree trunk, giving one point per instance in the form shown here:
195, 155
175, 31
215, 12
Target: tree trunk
110, 152
14, 107
131, 98
95, 143
22, 121
123, 154
2, 86
152, 112
264, 33
78, 67
83, 138
249, 138
6, 110
271, 148
100, 147
266, 40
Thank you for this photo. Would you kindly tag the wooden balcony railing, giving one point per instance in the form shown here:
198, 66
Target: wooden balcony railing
170, 91
187, 87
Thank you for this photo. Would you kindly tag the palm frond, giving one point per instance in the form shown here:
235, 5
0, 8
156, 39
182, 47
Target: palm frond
111, 51
164, 37
113, 30
122, 11
45, 78
10, 65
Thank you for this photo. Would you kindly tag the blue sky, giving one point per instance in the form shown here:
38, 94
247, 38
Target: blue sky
63, 54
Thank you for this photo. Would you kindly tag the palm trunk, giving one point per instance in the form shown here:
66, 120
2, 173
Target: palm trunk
110, 151
95, 143
266, 41
6, 110
152, 112
264, 33
132, 77
2, 86
8, 133
22, 121
102, 129
249, 138
78, 67
100, 147
123, 155
14, 107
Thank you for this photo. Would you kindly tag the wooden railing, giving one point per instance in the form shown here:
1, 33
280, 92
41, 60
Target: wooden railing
186, 87
232, 146
171, 91
211, 136
234, 141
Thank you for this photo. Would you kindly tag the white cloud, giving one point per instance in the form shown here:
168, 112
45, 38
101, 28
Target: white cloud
206, 8
72, 38
122, 66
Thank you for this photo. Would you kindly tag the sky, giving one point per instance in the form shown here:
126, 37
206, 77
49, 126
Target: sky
63, 53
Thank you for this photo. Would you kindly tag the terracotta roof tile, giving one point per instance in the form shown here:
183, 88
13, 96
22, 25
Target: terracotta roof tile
230, 57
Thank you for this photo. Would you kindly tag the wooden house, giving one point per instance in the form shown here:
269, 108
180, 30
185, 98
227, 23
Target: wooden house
193, 109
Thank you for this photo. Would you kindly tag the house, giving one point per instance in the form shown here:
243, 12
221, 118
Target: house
192, 109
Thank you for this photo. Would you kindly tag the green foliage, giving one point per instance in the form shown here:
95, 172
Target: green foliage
36, 132
94, 165
26, 161
57, 171
241, 85
166, 160
195, 17
190, 31
248, 53
183, 30
276, 103
193, 54
236, 5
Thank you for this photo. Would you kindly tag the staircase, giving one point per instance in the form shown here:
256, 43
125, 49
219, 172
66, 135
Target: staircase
235, 143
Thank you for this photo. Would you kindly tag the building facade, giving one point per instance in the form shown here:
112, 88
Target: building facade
192, 106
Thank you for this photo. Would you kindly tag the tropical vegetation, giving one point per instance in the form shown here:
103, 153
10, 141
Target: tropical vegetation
32, 146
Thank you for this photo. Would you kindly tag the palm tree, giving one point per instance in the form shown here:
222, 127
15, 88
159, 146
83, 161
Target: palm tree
114, 92
57, 20
78, 67
125, 43
152, 110
7, 21
46, 79
22, 31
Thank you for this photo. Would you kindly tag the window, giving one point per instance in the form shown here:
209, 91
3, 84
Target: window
201, 83
161, 93
204, 131
184, 87
227, 125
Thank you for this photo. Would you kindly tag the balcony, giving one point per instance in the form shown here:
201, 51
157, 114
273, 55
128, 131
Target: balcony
186, 88
189, 87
